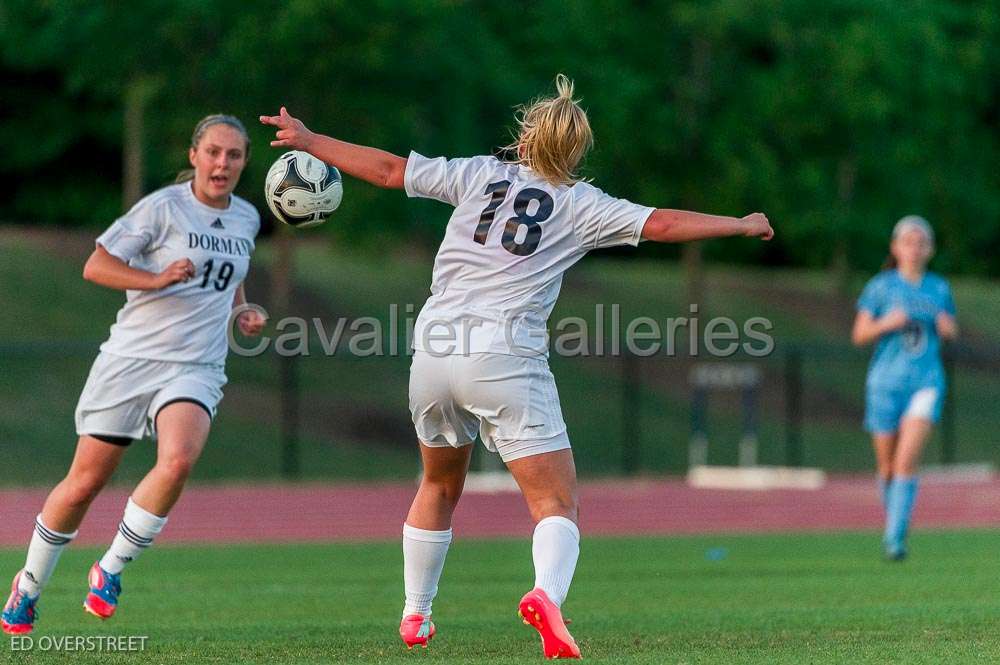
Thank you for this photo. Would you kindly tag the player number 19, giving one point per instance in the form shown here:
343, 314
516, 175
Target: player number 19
221, 280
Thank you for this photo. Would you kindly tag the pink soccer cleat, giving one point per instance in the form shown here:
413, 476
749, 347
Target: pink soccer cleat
102, 599
416, 629
541, 613
19, 613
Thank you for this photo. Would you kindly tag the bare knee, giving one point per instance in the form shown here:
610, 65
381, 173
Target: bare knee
446, 491
563, 504
81, 488
175, 469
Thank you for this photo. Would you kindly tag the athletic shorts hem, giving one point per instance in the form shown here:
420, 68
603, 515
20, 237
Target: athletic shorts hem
104, 436
190, 400
875, 430
520, 437
444, 444
515, 449
878, 431
886, 409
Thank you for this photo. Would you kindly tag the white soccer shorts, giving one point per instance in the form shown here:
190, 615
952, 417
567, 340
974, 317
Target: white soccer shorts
123, 395
510, 401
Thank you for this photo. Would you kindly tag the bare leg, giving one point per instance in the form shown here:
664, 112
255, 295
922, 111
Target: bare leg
427, 536
440, 487
548, 483
913, 436
93, 465
885, 449
182, 430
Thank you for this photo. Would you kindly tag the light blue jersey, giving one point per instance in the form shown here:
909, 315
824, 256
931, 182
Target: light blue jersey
908, 359
905, 377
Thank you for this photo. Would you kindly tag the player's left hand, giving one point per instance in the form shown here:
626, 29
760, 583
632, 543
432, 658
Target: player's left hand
251, 322
292, 132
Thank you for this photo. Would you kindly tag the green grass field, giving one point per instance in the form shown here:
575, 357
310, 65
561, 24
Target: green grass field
769, 599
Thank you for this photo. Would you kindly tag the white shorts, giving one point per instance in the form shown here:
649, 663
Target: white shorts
510, 401
123, 395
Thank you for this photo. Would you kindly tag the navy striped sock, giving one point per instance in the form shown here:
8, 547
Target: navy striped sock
43, 555
136, 532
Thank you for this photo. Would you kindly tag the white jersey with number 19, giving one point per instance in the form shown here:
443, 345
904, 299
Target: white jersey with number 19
510, 239
184, 322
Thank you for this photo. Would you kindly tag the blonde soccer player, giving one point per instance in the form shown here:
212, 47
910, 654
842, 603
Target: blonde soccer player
181, 255
905, 311
480, 353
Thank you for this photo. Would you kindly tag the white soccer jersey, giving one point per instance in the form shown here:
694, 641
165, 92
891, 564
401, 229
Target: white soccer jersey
510, 239
185, 322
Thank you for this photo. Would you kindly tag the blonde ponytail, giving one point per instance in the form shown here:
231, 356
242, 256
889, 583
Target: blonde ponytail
553, 135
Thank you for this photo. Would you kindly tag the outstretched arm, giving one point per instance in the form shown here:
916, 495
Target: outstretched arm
380, 168
666, 225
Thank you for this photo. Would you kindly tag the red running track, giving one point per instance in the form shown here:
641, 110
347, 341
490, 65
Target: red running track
323, 512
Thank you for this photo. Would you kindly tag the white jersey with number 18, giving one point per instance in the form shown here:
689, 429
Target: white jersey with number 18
510, 239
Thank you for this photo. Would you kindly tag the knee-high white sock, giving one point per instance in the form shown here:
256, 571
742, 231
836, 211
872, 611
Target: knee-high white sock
555, 548
423, 560
135, 533
43, 555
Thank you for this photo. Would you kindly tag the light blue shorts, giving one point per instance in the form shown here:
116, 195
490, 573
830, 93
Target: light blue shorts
884, 409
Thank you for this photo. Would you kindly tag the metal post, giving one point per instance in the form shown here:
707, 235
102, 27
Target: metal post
748, 442
630, 412
281, 297
948, 444
698, 444
793, 406
290, 466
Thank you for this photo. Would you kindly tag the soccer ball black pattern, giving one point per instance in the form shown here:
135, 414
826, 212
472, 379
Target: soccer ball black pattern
301, 190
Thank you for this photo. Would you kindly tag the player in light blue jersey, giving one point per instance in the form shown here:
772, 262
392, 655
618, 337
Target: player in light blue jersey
907, 311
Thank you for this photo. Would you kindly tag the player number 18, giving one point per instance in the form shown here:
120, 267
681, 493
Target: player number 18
531, 222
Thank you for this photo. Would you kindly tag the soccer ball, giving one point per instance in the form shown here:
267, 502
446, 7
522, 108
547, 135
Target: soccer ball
301, 190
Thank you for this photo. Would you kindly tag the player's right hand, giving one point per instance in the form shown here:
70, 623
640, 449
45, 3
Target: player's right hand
894, 320
179, 271
758, 226
292, 132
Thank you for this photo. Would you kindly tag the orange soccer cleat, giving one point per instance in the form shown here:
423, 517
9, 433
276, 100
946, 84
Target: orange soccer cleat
538, 611
416, 629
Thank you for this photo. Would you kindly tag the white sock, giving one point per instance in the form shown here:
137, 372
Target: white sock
43, 555
423, 560
135, 533
555, 548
